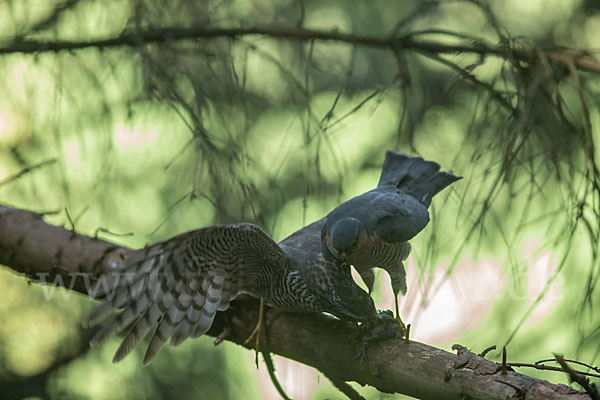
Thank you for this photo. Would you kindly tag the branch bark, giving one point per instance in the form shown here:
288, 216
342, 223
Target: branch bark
38, 250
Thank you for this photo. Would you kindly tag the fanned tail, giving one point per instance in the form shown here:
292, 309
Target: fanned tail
421, 179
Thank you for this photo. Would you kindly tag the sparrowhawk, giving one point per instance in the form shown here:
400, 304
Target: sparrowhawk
373, 229
180, 284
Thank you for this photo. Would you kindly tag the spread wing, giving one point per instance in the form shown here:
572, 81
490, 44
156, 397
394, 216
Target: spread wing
181, 283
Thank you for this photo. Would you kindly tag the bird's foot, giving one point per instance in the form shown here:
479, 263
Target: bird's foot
401, 326
385, 327
222, 336
403, 330
259, 330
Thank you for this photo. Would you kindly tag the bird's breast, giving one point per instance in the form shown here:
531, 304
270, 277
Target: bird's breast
373, 252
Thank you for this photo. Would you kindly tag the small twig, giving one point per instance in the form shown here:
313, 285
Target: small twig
104, 230
271, 370
50, 19
70, 220
584, 382
548, 368
495, 94
581, 60
25, 171
597, 369
503, 361
73, 221
484, 352
170, 211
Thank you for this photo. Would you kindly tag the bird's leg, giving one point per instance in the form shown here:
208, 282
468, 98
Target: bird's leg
259, 329
398, 276
402, 329
401, 326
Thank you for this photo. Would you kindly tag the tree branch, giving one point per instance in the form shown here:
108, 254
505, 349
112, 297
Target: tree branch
581, 59
30, 246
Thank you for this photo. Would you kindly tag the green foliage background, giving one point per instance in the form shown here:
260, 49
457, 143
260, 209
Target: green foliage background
162, 138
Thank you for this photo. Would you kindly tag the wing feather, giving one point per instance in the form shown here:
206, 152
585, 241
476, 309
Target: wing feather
137, 332
180, 284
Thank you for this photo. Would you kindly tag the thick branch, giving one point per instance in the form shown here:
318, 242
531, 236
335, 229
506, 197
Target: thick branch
44, 252
479, 47
28, 245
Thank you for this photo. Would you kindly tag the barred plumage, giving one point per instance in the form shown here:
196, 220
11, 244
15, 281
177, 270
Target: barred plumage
388, 256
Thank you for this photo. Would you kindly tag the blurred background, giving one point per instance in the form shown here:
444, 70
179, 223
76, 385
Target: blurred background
140, 142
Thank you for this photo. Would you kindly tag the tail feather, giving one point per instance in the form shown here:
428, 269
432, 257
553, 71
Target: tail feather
419, 178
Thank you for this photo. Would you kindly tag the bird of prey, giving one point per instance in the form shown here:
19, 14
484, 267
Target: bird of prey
373, 229
177, 286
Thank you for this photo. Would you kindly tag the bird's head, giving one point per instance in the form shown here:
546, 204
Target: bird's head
343, 236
